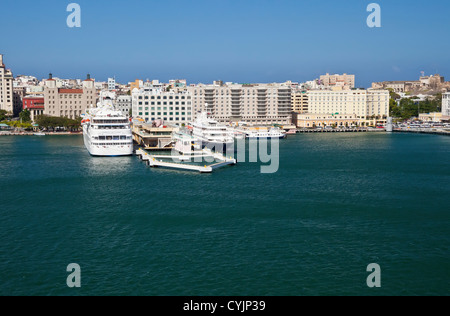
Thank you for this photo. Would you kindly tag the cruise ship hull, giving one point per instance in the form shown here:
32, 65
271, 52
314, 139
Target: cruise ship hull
110, 151
106, 150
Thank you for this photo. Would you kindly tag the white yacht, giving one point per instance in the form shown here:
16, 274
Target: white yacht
106, 131
211, 134
273, 132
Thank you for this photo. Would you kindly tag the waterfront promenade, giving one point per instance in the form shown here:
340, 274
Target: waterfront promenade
33, 133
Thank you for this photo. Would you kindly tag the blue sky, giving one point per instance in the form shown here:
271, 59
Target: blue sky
232, 40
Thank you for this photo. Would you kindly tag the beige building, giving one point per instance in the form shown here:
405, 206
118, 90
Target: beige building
256, 104
338, 80
434, 83
69, 103
433, 117
367, 105
299, 101
396, 86
378, 104
6, 88
307, 120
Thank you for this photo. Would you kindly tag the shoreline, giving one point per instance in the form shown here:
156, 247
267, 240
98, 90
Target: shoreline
46, 134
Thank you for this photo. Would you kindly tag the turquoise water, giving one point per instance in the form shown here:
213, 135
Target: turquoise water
338, 203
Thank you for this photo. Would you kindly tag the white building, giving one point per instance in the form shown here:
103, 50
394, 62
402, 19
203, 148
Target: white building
446, 104
124, 103
111, 84
153, 104
256, 104
365, 104
6, 88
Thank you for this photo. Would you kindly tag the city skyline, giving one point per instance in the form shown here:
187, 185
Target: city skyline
202, 41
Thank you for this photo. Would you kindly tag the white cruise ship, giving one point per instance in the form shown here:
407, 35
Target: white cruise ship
106, 131
211, 134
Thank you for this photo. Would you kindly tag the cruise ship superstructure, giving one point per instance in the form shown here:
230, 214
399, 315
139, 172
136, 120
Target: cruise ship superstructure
107, 131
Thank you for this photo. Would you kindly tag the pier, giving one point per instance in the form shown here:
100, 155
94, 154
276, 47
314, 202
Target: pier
155, 161
430, 131
337, 130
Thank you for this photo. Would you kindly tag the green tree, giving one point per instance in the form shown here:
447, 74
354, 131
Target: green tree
3, 115
25, 116
51, 123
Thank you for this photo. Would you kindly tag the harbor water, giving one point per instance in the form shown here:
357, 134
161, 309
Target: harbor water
337, 203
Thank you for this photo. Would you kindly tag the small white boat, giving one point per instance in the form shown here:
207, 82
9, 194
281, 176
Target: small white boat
39, 134
274, 132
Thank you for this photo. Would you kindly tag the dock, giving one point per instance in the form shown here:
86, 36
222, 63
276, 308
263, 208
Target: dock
155, 161
335, 130
430, 131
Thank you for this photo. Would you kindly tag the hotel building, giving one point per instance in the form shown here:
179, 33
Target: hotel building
152, 104
365, 104
6, 88
307, 120
256, 104
69, 103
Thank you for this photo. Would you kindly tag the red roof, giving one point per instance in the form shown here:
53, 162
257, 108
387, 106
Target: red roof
79, 91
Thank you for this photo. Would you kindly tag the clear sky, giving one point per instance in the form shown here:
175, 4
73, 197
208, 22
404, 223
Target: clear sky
232, 40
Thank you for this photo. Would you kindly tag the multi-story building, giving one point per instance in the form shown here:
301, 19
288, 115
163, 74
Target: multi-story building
299, 101
365, 104
311, 120
338, 80
153, 104
6, 88
377, 104
111, 84
137, 84
35, 104
69, 103
256, 104
18, 95
446, 104
435, 83
124, 103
